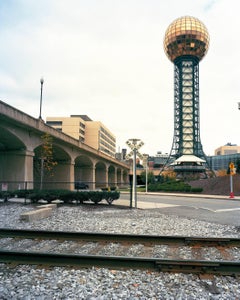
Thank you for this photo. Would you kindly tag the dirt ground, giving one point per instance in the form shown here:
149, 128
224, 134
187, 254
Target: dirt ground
218, 185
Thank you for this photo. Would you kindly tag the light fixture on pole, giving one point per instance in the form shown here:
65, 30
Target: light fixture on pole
134, 145
40, 113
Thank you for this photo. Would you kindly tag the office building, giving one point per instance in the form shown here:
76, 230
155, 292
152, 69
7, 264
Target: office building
92, 133
227, 149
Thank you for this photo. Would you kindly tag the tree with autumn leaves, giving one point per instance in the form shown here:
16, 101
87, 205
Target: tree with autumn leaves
46, 157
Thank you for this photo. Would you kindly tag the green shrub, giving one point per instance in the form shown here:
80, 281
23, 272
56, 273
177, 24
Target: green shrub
34, 196
110, 196
80, 197
49, 196
95, 196
65, 195
6, 195
196, 190
173, 186
22, 193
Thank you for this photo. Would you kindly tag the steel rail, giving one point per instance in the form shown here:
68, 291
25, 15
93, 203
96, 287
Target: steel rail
43, 234
229, 268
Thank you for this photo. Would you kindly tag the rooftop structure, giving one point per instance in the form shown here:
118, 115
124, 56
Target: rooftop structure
227, 149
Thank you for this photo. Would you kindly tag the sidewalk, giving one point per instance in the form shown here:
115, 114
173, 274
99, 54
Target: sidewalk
143, 205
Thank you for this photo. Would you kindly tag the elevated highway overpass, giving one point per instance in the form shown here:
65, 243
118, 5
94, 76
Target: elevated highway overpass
20, 153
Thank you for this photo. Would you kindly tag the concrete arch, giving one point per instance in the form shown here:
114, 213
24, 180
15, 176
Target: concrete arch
122, 177
15, 159
84, 170
101, 174
9, 141
28, 138
125, 176
112, 178
61, 175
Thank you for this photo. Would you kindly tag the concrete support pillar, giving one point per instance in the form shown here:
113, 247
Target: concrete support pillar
106, 177
63, 176
92, 185
123, 178
17, 169
112, 176
115, 177
101, 178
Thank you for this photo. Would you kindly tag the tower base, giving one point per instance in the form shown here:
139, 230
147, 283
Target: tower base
188, 176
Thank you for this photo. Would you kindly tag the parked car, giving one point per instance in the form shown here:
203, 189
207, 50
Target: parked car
81, 186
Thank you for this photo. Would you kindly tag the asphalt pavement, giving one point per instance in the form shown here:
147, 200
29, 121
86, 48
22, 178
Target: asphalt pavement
152, 205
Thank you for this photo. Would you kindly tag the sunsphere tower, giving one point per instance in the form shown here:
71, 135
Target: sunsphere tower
186, 42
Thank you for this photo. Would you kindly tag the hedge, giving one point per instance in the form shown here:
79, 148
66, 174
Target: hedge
176, 186
66, 196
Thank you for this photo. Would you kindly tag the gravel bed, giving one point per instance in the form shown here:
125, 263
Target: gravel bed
30, 283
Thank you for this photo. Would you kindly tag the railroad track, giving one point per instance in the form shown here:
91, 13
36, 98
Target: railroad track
219, 256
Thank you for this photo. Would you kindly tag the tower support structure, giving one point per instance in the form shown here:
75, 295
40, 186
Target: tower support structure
186, 139
186, 43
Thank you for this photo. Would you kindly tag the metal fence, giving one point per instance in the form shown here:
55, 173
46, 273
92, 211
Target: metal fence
55, 185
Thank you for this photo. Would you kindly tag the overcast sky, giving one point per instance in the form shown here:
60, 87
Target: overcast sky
105, 59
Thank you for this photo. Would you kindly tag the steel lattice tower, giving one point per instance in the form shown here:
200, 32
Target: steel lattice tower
186, 42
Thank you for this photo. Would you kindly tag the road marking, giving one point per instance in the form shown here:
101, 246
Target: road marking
155, 204
218, 210
227, 209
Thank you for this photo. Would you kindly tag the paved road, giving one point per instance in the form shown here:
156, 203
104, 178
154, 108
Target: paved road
217, 209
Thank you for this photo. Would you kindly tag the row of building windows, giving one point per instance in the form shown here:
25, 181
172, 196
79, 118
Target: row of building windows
54, 123
109, 141
82, 125
82, 132
107, 151
221, 162
108, 134
107, 146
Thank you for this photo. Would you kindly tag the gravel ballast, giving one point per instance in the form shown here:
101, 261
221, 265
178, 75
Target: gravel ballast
30, 282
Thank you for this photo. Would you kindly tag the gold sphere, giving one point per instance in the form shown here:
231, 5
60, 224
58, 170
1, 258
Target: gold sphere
186, 36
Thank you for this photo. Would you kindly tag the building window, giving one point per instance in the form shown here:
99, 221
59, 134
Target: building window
54, 123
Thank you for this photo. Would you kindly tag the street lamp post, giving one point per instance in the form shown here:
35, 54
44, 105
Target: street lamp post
40, 113
135, 145
145, 156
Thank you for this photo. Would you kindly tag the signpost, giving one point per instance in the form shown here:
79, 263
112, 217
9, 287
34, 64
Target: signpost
134, 145
232, 172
